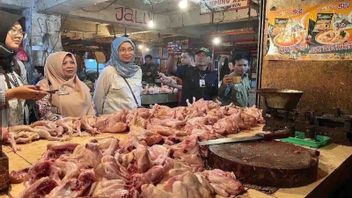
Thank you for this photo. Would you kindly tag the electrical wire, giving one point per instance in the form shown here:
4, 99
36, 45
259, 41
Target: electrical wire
100, 9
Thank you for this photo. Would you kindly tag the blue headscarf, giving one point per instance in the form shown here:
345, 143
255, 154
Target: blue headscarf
124, 69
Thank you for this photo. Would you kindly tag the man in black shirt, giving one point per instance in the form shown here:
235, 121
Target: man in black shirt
198, 81
150, 70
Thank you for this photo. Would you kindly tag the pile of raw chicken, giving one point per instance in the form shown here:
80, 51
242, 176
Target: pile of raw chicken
157, 90
160, 157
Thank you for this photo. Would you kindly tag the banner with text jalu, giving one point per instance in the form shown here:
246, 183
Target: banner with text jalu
311, 32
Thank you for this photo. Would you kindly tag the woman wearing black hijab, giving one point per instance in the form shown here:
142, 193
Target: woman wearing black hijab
12, 91
224, 69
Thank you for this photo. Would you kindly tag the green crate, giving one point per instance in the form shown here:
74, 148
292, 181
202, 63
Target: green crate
300, 139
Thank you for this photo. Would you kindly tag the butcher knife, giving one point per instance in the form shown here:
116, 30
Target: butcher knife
265, 135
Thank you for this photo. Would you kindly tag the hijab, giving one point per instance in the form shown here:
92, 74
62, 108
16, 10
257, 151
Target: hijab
6, 54
71, 104
126, 70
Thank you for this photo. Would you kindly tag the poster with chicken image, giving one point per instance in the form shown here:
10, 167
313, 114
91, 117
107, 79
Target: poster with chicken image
311, 32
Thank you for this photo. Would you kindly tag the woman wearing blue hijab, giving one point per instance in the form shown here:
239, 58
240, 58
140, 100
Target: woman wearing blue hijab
120, 83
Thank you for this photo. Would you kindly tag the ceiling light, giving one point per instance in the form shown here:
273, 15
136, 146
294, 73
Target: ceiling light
140, 46
147, 49
151, 24
183, 4
216, 41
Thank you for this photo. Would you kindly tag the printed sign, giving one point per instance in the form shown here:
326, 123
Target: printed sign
320, 32
132, 16
207, 6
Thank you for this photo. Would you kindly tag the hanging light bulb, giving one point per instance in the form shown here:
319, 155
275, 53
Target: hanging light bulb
141, 46
151, 24
147, 49
183, 4
216, 41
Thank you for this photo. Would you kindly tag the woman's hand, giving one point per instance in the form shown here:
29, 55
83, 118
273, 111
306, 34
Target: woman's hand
27, 92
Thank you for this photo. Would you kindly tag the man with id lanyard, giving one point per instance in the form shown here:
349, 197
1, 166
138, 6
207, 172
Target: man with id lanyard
199, 81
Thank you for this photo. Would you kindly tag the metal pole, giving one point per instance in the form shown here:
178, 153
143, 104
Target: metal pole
261, 45
212, 58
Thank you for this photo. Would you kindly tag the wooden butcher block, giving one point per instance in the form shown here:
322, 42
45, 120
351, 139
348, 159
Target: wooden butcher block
266, 163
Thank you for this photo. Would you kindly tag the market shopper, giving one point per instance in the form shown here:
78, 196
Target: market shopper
199, 81
150, 70
38, 74
13, 92
119, 85
225, 68
187, 59
69, 97
236, 85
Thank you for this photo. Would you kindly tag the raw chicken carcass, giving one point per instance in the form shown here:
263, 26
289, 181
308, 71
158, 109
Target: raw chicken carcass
20, 176
40, 188
73, 187
110, 169
158, 154
55, 150
226, 125
7, 136
114, 188
223, 183
87, 157
112, 123
184, 185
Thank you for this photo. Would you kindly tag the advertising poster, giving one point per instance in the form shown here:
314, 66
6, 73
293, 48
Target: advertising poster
320, 32
207, 6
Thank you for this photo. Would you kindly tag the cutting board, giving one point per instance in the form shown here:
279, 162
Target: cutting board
266, 163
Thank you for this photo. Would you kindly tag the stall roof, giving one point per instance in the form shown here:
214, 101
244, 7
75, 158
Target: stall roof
102, 20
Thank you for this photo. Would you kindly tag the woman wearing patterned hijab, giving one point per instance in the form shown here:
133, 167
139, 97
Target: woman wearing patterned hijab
120, 83
70, 96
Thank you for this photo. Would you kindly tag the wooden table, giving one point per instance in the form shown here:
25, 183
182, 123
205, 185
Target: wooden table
31, 153
335, 164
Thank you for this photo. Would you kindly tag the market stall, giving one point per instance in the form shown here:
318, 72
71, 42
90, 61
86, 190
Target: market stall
162, 98
158, 139
333, 165
141, 142
159, 95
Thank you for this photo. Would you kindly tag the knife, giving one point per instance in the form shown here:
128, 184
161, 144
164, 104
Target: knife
52, 91
265, 135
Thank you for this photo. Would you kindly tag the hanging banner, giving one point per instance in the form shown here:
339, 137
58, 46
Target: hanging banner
207, 6
318, 32
130, 16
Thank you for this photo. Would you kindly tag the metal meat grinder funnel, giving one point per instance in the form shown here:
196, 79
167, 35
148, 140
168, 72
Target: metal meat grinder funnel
284, 99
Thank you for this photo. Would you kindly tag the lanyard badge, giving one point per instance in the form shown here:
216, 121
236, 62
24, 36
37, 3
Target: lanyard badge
201, 83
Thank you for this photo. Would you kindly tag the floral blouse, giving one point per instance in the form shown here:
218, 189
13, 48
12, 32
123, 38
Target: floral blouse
46, 110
